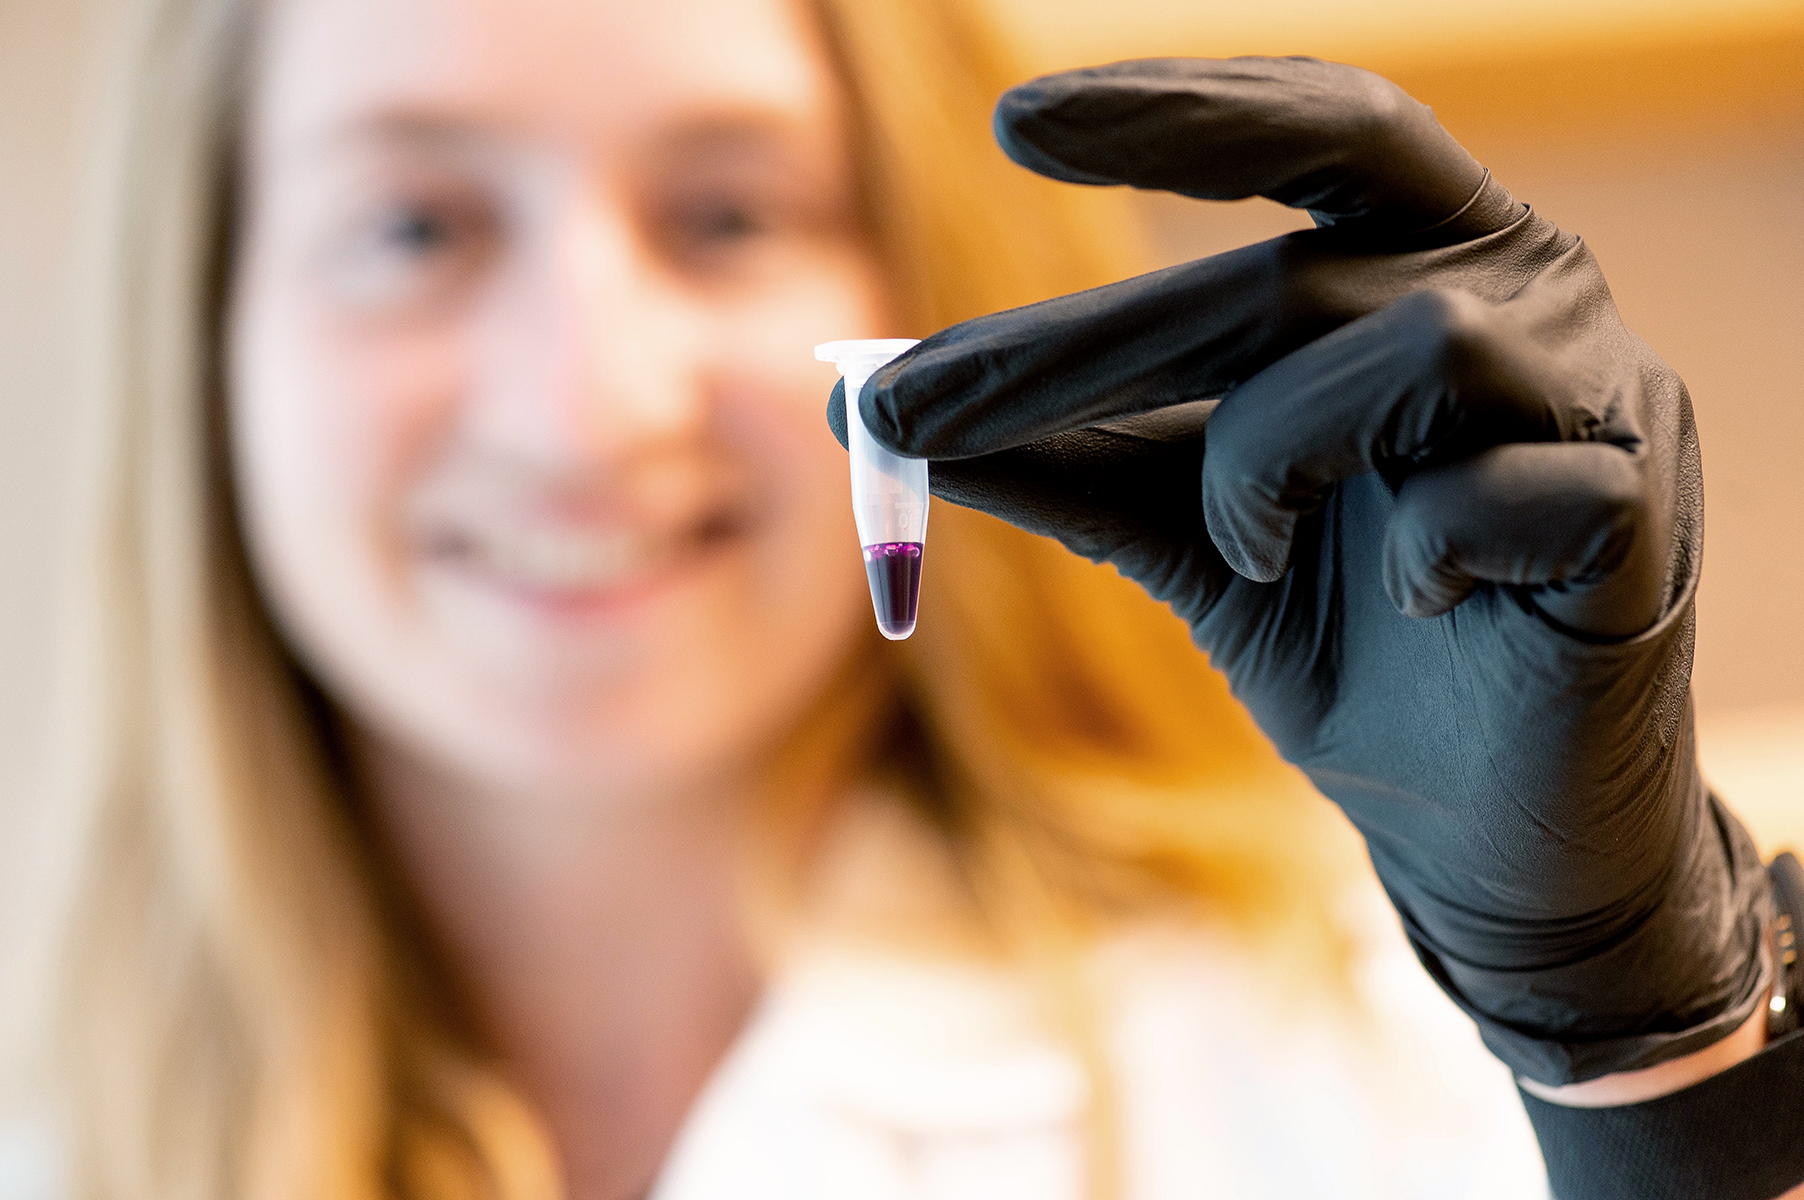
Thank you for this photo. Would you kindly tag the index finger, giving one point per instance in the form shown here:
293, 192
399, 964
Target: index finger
1190, 332
1349, 146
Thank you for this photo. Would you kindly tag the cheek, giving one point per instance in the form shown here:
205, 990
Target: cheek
750, 666
742, 658
328, 427
774, 402
808, 560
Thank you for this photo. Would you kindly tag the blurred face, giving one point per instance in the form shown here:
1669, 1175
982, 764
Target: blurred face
526, 426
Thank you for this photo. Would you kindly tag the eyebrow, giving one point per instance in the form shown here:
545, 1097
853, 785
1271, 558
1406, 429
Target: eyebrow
409, 127
732, 138
724, 129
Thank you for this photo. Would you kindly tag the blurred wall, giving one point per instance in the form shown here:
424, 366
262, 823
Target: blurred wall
1670, 133
49, 64
1383, 34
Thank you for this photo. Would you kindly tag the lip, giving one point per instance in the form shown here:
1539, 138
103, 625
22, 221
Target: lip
566, 604
674, 560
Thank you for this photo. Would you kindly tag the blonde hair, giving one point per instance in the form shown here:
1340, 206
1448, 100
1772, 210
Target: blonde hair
240, 1013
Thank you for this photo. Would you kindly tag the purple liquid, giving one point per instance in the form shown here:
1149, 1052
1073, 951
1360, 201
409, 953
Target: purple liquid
894, 569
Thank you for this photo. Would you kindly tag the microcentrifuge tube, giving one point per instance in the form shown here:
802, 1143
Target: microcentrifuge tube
889, 493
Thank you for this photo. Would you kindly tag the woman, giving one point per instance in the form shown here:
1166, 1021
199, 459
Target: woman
487, 707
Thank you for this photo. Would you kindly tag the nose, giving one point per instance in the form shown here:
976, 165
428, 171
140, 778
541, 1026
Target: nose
589, 353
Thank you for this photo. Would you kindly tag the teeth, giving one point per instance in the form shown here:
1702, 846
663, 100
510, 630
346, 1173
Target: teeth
562, 560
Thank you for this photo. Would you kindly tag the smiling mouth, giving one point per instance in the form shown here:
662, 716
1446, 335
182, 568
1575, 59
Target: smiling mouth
571, 562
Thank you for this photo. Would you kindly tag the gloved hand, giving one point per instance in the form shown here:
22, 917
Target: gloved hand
1427, 503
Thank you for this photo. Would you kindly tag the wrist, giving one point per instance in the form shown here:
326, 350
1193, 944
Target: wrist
1776, 1015
1662, 1079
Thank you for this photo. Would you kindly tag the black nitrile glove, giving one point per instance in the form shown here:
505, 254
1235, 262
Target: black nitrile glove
1441, 530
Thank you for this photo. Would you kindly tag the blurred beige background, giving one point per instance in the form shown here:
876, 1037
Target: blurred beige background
1670, 133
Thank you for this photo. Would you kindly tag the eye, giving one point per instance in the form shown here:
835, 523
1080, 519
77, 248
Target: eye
725, 224
437, 227
417, 231
717, 223
716, 234
414, 250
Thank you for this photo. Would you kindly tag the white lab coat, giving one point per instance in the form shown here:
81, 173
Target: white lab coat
888, 1078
